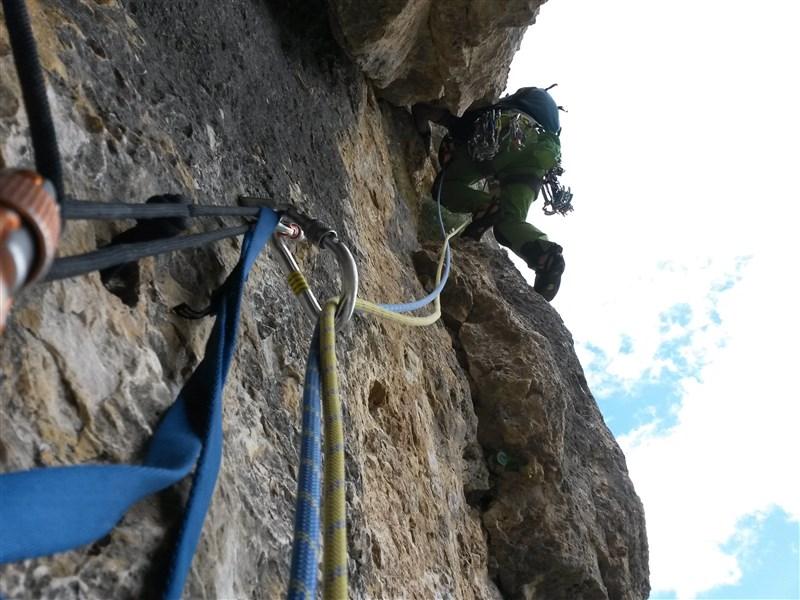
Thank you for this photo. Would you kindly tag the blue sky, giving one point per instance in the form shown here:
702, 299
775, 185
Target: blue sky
681, 147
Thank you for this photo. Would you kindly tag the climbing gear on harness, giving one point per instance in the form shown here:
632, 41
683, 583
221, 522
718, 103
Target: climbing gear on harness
29, 232
557, 198
484, 143
516, 134
495, 128
504, 122
545, 258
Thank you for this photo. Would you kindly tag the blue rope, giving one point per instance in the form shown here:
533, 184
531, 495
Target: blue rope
49, 510
303, 581
422, 302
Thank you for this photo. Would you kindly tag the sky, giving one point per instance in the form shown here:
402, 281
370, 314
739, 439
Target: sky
683, 269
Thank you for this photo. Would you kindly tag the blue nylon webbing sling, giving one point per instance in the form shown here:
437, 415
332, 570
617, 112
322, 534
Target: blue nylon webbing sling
49, 510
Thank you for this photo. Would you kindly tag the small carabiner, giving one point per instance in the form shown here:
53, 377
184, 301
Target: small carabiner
326, 238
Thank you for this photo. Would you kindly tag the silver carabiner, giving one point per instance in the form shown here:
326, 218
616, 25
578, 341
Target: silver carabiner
307, 298
326, 238
349, 271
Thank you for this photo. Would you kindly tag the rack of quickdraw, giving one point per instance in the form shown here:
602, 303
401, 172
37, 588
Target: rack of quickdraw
49, 510
496, 127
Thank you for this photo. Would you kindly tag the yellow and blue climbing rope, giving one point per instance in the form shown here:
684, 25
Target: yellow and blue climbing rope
334, 544
303, 579
335, 576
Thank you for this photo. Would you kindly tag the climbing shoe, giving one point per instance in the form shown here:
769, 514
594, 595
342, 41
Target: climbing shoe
545, 258
482, 221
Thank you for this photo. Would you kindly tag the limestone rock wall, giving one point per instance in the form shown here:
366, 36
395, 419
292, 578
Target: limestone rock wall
221, 99
561, 516
456, 52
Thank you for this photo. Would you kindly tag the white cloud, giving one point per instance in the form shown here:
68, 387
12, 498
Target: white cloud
734, 447
733, 450
681, 148
629, 324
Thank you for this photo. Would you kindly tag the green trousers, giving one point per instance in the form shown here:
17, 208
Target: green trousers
511, 168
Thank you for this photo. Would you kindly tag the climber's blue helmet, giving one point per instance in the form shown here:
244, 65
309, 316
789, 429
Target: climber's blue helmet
538, 103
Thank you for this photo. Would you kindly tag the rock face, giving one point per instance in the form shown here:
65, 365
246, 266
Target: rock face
561, 516
455, 51
478, 465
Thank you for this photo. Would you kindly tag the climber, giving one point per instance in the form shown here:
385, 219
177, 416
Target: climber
494, 162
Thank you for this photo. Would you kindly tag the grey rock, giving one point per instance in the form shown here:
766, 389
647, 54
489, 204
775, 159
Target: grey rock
562, 517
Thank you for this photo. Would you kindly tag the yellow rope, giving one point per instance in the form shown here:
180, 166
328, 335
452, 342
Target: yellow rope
334, 538
412, 321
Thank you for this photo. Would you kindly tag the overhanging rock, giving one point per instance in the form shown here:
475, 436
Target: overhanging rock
456, 51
